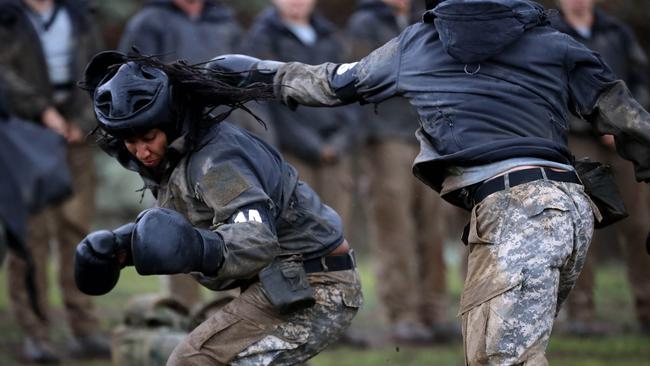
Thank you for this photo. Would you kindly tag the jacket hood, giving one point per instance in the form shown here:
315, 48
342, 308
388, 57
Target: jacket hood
472, 31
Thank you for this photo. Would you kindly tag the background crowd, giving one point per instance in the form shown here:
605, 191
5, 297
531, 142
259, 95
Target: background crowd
357, 158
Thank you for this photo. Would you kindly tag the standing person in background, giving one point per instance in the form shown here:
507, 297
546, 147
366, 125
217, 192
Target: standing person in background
195, 31
406, 220
192, 30
316, 141
619, 48
44, 45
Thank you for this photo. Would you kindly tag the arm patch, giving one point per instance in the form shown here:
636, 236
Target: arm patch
257, 212
343, 82
222, 184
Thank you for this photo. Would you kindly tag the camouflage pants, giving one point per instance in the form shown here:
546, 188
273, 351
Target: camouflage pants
527, 247
249, 331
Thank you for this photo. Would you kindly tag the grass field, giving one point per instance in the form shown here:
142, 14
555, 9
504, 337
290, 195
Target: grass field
612, 295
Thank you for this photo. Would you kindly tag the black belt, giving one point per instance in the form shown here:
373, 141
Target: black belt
331, 263
520, 177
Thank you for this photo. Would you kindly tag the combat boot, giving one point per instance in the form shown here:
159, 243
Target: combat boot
94, 345
39, 351
412, 334
446, 332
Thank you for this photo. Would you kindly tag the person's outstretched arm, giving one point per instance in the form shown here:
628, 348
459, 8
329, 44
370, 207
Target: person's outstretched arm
607, 103
371, 80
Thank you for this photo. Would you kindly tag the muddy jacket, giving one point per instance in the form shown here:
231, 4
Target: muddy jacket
219, 180
23, 66
306, 131
484, 96
372, 25
161, 28
616, 43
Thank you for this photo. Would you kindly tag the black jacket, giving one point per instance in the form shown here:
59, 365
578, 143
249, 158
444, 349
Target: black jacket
372, 25
306, 131
162, 29
488, 86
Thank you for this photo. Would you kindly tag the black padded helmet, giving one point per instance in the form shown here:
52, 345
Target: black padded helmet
129, 97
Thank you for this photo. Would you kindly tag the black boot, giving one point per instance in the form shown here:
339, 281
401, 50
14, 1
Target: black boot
39, 351
95, 345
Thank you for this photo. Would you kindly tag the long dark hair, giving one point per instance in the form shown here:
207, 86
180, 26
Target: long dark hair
206, 87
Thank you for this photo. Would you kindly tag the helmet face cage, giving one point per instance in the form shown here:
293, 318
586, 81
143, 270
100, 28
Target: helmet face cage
132, 99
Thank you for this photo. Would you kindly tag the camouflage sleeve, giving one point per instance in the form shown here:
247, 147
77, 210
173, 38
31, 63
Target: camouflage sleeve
373, 79
619, 114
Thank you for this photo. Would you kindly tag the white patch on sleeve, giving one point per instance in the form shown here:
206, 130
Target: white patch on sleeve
253, 215
343, 68
240, 218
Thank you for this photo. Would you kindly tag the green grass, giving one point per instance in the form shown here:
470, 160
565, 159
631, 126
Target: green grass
612, 297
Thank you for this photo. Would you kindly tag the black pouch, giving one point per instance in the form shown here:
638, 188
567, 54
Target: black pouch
600, 186
285, 284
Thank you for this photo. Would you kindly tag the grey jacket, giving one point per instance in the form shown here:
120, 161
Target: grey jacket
162, 29
372, 25
306, 131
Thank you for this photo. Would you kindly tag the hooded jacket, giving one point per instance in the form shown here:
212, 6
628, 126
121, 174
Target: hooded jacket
164, 30
490, 80
225, 170
306, 131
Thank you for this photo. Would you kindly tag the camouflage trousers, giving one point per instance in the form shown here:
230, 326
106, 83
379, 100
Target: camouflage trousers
249, 331
527, 247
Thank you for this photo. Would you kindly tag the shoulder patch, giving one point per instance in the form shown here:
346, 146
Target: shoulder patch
223, 183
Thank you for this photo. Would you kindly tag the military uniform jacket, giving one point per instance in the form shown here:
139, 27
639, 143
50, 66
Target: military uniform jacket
484, 96
233, 183
23, 66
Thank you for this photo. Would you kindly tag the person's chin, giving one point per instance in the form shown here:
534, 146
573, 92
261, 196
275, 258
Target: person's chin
151, 163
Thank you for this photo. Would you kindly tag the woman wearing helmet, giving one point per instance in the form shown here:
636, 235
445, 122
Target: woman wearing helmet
231, 212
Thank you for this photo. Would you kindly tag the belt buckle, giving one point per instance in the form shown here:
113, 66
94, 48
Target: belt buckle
353, 258
323, 264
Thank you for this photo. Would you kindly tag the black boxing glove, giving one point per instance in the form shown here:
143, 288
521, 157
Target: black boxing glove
243, 70
99, 258
164, 242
